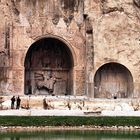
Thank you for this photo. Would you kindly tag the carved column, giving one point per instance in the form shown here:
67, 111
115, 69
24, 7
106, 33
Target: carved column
89, 57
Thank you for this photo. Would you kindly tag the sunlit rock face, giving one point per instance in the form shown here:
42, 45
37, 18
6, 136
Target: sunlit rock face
70, 47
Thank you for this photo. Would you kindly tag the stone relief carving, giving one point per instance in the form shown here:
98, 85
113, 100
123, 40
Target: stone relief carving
48, 13
44, 57
47, 83
68, 8
55, 19
56, 13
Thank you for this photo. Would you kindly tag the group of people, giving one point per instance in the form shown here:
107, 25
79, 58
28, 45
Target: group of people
17, 100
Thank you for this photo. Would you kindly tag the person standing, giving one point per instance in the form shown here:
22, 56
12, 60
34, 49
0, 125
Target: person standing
12, 102
18, 102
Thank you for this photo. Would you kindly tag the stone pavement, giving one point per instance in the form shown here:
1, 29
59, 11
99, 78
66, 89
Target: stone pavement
56, 112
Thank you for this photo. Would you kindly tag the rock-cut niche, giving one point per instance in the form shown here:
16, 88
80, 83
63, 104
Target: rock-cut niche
113, 80
49, 68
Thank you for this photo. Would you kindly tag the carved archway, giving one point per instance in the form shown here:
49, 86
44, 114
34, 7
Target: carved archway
113, 80
49, 68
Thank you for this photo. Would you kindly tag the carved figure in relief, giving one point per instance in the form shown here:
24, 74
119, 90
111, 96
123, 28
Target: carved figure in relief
55, 19
47, 83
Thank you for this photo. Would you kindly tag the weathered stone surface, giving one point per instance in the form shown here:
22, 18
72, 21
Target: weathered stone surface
93, 33
137, 2
63, 105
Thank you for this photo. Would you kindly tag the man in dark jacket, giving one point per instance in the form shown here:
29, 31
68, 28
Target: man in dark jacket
12, 102
18, 102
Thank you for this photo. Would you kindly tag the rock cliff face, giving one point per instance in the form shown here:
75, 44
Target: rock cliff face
116, 39
101, 37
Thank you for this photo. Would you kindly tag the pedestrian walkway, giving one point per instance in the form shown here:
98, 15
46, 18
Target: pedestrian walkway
56, 112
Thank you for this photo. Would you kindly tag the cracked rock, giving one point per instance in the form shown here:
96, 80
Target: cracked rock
137, 3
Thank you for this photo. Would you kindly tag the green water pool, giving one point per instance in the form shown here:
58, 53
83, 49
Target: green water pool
71, 135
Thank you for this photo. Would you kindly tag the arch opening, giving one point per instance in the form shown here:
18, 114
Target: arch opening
49, 68
113, 80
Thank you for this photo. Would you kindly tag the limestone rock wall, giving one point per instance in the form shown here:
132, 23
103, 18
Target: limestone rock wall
25, 22
116, 32
96, 32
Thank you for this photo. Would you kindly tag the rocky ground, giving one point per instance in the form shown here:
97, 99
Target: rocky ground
70, 106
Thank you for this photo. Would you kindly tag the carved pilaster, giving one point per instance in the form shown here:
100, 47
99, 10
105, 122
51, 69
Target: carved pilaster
89, 54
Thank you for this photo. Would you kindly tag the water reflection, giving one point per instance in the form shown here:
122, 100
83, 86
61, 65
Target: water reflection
71, 135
